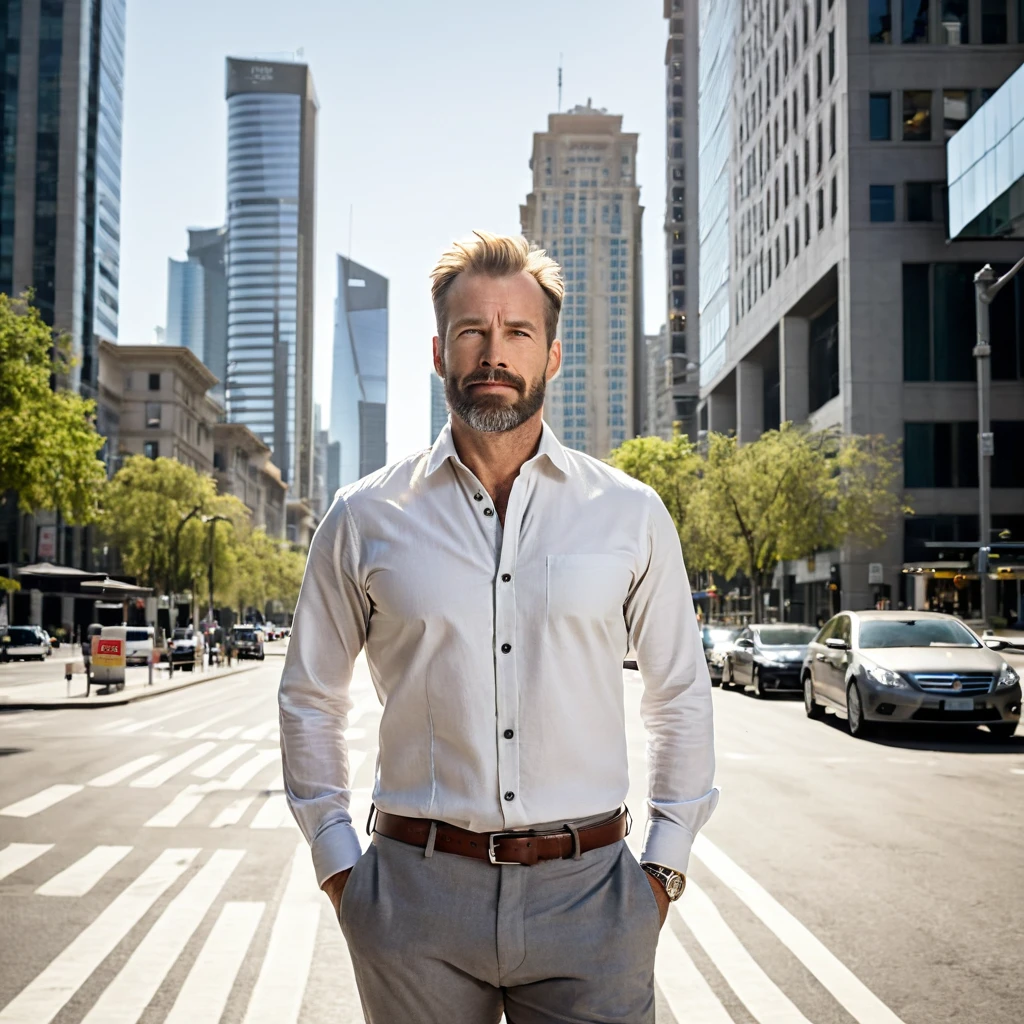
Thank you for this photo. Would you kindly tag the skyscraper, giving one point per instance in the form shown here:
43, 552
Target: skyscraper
585, 211
186, 306
359, 381
60, 166
272, 111
438, 407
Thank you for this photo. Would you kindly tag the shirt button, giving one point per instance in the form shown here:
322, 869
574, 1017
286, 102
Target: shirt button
478, 496
505, 648
506, 578
488, 511
510, 795
509, 734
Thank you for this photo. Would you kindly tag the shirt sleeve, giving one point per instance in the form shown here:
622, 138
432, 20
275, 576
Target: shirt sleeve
328, 632
676, 706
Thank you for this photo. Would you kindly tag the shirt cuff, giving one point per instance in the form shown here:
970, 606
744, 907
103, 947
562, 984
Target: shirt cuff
667, 844
335, 849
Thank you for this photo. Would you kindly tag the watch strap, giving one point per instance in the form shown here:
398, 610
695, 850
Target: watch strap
673, 881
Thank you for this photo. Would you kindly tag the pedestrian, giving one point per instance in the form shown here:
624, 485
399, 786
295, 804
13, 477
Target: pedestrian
496, 581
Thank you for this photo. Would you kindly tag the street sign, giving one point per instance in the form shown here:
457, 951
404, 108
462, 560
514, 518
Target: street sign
46, 547
875, 573
988, 443
107, 653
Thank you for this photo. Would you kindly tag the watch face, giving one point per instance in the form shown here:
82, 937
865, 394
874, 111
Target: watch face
674, 887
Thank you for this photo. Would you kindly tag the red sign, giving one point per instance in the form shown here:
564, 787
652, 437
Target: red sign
112, 647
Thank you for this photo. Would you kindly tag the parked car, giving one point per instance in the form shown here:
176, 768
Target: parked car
138, 645
910, 667
185, 648
248, 641
767, 658
23, 643
50, 642
718, 641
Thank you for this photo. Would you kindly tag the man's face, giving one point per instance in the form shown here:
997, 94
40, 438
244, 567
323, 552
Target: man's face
495, 359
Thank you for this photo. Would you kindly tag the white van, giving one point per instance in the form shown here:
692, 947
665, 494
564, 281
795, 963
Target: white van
138, 644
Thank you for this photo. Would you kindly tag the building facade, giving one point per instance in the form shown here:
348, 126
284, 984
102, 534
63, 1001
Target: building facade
585, 211
359, 379
242, 466
848, 307
60, 167
661, 407
272, 113
207, 249
438, 407
322, 497
186, 306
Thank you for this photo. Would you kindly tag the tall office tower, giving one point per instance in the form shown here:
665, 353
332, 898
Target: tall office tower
438, 407
60, 166
272, 111
322, 496
359, 382
585, 211
682, 228
186, 308
848, 305
207, 247
661, 417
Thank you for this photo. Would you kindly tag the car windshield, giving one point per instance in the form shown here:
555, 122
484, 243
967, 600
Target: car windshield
183, 634
245, 634
719, 635
137, 636
22, 635
786, 636
916, 633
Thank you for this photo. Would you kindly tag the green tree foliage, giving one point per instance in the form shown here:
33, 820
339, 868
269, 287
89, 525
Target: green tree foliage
48, 438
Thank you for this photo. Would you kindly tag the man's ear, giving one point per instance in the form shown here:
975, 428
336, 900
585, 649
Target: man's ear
554, 359
438, 357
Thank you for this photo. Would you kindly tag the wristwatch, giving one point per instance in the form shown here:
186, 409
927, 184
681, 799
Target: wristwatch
673, 881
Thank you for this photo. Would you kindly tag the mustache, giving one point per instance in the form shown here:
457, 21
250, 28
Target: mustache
495, 376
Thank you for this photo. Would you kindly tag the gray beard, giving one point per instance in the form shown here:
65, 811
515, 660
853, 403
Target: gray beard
493, 419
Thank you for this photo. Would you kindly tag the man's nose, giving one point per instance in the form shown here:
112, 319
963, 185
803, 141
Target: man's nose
493, 354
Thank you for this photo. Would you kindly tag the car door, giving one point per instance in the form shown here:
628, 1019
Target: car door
817, 651
834, 663
742, 657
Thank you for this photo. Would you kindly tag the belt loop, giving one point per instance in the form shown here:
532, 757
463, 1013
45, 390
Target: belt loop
629, 819
369, 818
577, 852
428, 850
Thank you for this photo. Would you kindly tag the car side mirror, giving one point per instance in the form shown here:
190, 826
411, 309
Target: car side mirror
995, 644
836, 643
745, 643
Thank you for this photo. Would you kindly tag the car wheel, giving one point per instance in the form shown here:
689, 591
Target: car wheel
811, 706
1002, 730
855, 713
759, 691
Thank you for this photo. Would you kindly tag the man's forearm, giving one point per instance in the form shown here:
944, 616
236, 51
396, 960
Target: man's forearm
335, 886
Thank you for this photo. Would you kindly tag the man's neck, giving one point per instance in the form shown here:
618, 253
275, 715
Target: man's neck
496, 458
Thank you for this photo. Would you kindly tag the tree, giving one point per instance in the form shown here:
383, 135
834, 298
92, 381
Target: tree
48, 438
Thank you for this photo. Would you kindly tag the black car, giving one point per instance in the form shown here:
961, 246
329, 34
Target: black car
768, 658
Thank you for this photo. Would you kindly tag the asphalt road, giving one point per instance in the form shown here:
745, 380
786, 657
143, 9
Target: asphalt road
149, 871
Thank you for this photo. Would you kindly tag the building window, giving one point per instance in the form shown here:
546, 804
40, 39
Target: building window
917, 115
881, 116
834, 199
796, 236
953, 22
883, 203
1009, 439
153, 415
940, 454
807, 223
823, 357
154, 382
993, 21
817, 75
831, 54
832, 131
880, 21
821, 209
151, 449
915, 21
956, 109
821, 147
923, 199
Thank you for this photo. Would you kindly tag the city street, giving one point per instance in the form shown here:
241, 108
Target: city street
151, 872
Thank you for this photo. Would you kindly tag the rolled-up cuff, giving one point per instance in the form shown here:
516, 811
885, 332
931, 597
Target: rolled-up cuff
335, 849
668, 844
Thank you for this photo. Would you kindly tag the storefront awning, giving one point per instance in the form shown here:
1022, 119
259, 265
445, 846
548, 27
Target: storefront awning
110, 587
48, 570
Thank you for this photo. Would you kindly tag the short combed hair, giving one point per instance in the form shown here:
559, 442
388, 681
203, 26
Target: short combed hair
497, 256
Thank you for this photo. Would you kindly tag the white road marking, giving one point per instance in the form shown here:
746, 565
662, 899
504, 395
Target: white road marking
189, 709
158, 776
689, 996
246, 771
232, 814
217, 764
277, 995
357, 732
759, 994
276, 784
230, 732
205, 991
178, 809
260, 732
15, 856
116, 775
41, 801
273, 814
126, 997
364, 707
237, 709
44, 997
115, 724
1017, 771
847, 989
81, 876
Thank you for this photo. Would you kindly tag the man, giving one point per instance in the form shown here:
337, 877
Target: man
496, 582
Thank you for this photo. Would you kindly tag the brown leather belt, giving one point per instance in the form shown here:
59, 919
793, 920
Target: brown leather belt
526, 848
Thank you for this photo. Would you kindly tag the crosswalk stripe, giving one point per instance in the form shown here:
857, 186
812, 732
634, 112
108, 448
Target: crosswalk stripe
40, 801
260, 732
124, 999
44, 997
81, 876
205, 991
364, 707
115, 724
232, 814
689, 996
273, 814
116, 775
230, 732
217, 764
233, 711
15, 856
246, 771
178, 809
846, 988
759, 994
277, 995
161, 774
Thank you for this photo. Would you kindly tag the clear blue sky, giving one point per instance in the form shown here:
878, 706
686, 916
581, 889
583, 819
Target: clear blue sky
426, 118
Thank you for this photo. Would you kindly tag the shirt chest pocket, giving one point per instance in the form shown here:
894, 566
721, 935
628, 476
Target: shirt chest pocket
591, 587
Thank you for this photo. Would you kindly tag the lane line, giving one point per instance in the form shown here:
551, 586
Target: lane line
237, 709
260, 732
44, 997
277, 995
163, 773
846, 988
126, 997
115, 724
178, 809
230, 732
217, 764
232, 814
246, 771
81, 876
197, 705
15, 856
206, 989
689, 996
116, 775
273, 814
40, 801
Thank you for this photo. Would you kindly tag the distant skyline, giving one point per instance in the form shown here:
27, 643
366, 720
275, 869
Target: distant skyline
425, 133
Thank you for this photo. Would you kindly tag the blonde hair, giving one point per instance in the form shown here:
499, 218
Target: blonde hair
497, 256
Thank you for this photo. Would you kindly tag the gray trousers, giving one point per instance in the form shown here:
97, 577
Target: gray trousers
450, 940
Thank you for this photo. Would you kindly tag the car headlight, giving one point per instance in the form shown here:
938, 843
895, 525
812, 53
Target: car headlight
884, 676
1007, 677
771, 659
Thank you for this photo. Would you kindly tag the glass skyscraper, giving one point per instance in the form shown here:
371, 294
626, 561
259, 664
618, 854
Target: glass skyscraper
438, 407
186, 308
272, 111
359, 381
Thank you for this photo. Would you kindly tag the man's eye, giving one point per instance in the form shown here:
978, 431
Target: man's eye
521, 333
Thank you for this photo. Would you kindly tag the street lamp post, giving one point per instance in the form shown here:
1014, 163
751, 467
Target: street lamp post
212, 521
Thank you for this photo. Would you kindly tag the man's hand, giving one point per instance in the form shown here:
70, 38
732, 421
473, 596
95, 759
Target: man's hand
335, 886
656, 887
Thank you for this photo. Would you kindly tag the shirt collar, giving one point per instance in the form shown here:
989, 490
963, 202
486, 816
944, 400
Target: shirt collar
444, 449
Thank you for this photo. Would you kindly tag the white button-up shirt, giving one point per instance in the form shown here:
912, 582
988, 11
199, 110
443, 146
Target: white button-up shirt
497, 653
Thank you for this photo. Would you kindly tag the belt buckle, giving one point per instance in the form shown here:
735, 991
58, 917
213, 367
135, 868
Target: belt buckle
492, 854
